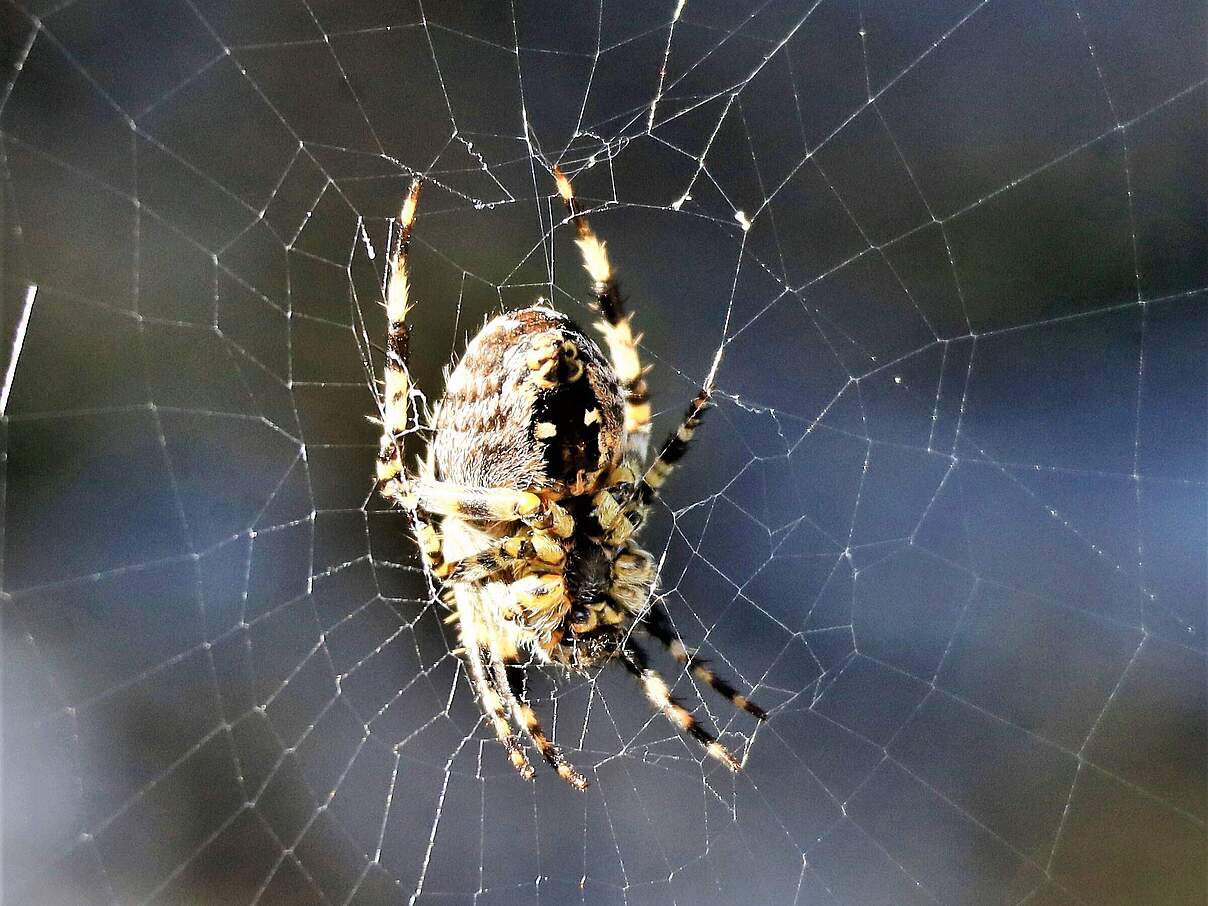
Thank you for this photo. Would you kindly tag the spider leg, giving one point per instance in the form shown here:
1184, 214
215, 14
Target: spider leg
392, 477
393, 481
512, 676
492, 505
623, 350
658, 624
542, 604
494, 706
616, 508
522, 549
618, 333
656, 689
673, 449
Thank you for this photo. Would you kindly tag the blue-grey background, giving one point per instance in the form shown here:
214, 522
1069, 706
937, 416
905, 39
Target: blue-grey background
950, 517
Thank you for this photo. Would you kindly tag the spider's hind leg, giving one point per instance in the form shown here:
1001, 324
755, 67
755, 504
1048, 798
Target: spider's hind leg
513, 675
656, 689
495, 708
392, 477
623, 351
658, 624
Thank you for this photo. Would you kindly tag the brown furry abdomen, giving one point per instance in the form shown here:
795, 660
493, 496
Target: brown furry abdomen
504, 423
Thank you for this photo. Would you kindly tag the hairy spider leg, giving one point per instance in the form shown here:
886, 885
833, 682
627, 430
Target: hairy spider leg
391, 473
623, 350
493, 505
617, 511
493, 701
656, 689
673, 449
508, 553
525, 715
658, 624
394, 483
616, 327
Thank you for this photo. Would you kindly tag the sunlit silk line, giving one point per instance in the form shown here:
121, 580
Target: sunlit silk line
18, 341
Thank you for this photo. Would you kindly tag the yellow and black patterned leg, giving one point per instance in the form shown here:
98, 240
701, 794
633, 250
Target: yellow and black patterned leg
623, 350
393, 481
615, 508
657, 690
527, 718
528, 548
493, 505
542, 604
616, 327
427, 536
658, 624
495, 706
673, 449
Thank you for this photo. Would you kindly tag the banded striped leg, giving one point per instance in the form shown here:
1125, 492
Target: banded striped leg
618, 333
656, 689
658, 624
494, 704
391, 473
616, 509
393, 481
527, 718
493, 505
673, 449
506, 553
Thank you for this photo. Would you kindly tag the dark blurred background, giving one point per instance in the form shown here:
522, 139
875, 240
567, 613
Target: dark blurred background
950, 518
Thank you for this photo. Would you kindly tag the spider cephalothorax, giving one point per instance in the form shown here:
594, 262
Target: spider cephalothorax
536, 475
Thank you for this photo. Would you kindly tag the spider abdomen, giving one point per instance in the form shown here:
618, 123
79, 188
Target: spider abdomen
534, 405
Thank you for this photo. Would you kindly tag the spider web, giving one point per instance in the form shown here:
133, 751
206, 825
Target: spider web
948, 521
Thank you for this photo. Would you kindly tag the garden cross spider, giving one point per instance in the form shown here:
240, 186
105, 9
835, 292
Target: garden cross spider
535, 475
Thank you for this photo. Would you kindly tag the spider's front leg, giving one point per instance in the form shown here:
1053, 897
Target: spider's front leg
616, 327
499, 683
658, 624
623, 350
493, 657
394, 483
491, 699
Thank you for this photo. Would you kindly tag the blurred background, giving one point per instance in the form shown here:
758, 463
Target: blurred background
949, 520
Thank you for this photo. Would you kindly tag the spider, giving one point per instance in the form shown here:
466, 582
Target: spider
526, 505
